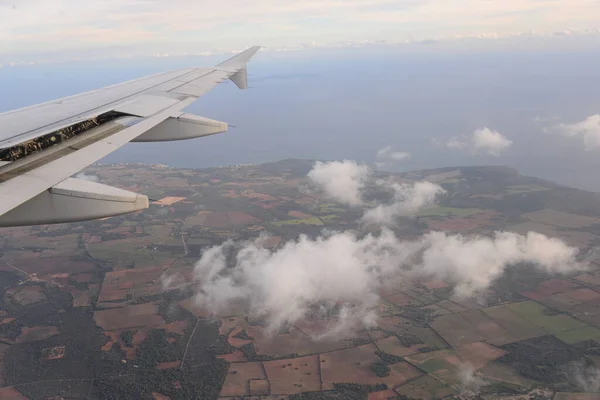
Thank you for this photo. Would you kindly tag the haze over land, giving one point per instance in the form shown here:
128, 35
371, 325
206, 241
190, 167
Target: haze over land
421, 256
350, 103
251, 280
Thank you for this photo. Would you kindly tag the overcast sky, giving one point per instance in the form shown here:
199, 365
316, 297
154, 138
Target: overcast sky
40, 29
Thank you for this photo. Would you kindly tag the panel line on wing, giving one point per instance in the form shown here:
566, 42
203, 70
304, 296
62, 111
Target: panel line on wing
37, 160
82, 115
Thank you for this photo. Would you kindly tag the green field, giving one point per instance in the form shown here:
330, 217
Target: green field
437, 364
123, 259
329, 208
329, 217
434, 365
448, 211
433, 361
579, 335
426, 388
513, 322
130, 223
534, 312
499, 373
304, 221
526, 189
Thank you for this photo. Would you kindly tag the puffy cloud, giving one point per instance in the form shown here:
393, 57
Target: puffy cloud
345, 181
588, 130
472, 264
341, 180
470, 383
481, 141
87, 177
584, 376
170, 282
408, 199
343, 273
386, 157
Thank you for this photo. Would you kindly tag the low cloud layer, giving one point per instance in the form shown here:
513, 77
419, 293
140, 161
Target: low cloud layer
408, 200
346, 181
470, 383
588, 130
387, 157
584, 376
343, 181
345, 273
342, 274
482, 141
87, 177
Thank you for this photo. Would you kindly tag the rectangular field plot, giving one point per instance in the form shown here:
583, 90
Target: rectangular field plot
354, 366
426, 388
294, 375
535, 313
392, 345
589, 279
479, 354
560, 218
456, 330
588, 313
514, 323
471, 326
497, 372
442, 364
237, 381
141, 315
451, 306
449, 211
579, 335
489, 329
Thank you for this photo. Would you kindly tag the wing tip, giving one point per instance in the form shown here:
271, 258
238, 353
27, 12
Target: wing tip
241, 59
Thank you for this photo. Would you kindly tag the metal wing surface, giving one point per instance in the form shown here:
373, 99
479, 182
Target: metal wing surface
42, 146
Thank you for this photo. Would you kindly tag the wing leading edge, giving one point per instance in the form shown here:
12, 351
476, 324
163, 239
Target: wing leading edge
42, 146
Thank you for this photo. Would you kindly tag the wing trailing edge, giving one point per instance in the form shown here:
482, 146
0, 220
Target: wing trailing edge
239, 62
182, 127
42, 146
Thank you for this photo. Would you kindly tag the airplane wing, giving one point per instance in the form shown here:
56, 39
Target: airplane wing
42, 146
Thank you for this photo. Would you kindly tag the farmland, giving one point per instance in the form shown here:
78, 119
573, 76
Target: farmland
90, 303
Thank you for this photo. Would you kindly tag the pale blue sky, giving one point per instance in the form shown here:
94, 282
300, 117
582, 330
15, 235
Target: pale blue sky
42, 29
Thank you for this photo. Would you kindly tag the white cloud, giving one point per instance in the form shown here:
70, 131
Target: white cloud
170, 282
310, 277
588, 130
345, 182
408, 199
470, 383
341, 180
87, 177
386, 157
585, 377
481, 141
460, 259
